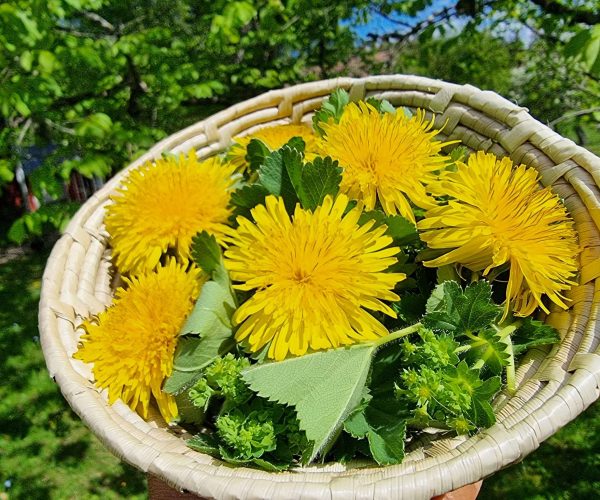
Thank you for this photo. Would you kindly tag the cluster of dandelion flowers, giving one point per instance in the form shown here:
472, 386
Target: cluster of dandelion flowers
499, 215
162, 205
273, 138
132, 343
388, 157
314, 275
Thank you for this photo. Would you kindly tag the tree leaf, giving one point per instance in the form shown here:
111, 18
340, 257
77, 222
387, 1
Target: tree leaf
320, 178
324, 387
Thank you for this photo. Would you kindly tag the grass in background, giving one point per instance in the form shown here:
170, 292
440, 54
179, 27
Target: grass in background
47, 453
45, 450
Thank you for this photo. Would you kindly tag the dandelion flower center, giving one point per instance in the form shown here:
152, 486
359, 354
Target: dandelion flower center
132, 343
498, 215
314, 275
161, 206
386, 157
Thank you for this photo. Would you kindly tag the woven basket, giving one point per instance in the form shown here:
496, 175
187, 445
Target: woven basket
554, 386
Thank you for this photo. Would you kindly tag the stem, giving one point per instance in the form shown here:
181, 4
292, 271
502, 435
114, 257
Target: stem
398, 334
507, 331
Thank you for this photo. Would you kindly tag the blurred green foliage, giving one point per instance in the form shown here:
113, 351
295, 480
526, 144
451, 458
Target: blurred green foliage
100, 81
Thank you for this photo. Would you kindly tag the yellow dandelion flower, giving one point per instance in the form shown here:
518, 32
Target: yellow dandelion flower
386, 157
132, 343
162, 205
314, 277
274, 138
499, 215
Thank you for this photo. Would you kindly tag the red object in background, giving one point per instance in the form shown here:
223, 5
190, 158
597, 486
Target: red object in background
13, 197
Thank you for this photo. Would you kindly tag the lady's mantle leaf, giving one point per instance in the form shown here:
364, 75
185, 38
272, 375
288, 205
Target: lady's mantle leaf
324, 387
451, 309
385, 431
531, 333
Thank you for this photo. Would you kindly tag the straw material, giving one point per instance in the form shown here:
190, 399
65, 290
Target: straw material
554, 385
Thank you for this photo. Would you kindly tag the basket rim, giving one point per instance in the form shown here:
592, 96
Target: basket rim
159, 452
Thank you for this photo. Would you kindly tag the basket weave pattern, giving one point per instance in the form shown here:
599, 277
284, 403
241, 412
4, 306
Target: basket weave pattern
554, 385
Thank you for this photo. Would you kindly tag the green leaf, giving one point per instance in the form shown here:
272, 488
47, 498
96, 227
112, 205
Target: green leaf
281, 172
533, 333
26, 60
379, 422
387, 443
206, 334
206, 252
331, 109
576, 44
179, 381
320, 178
95, 126
402, 230
187, 411
488, 349
410, 308
356, 424
47, 61
324, 387
381, 105
246, 198
451, 309
482, 413
256, 152
205, 443
6, 172
17, 232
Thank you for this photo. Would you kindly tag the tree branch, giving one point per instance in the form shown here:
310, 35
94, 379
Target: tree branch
576, 15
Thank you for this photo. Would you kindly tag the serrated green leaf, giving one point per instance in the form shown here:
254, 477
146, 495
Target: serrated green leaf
188, 412
206, 252
180, 381
387, 443
280, 173
482, 413
320, 178
256, 152
487, 348
331, 109
356, 424
402, 230
451, 309
531, 333
324, 387
489, 388
204, 443
246, 198
381, 105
